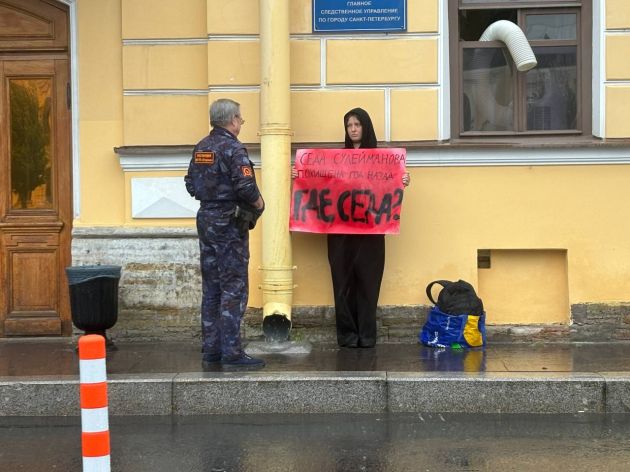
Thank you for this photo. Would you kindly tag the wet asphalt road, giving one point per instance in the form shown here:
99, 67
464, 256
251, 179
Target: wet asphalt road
316, 443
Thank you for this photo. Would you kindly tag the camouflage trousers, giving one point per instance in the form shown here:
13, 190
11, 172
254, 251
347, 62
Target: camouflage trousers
224, 261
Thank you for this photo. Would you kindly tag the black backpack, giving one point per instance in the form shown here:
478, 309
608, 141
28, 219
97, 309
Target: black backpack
456, 298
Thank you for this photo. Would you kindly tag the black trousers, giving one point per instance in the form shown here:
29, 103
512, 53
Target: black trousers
356, 264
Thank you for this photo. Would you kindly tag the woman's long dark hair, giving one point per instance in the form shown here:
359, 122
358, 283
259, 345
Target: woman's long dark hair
368, 138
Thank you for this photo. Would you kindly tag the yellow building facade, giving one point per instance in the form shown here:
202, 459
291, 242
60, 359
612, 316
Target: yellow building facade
535, 221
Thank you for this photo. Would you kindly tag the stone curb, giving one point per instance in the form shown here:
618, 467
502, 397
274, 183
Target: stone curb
497, 393
337, 392
325, 392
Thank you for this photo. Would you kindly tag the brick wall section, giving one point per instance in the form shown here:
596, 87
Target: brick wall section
160, 285
600, 322
395, 324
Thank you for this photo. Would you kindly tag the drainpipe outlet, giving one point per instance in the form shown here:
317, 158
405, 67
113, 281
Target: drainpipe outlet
276, 327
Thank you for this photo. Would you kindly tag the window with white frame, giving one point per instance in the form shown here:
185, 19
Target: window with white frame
490, 96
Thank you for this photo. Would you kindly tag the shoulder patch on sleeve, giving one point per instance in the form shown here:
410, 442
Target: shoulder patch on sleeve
247, 171
204, 157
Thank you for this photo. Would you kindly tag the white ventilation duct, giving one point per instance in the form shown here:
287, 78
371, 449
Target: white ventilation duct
515, 40
486, 112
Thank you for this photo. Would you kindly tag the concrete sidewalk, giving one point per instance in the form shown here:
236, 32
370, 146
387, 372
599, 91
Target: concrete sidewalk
39, 377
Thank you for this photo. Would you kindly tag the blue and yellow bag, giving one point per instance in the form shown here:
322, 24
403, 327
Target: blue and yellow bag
457, 318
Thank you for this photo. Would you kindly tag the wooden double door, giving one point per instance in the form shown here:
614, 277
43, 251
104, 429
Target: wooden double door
35, 168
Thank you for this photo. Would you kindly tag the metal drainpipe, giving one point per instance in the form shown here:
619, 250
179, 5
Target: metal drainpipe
275, 144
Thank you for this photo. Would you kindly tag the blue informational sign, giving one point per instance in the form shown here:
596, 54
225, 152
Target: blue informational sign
359, 15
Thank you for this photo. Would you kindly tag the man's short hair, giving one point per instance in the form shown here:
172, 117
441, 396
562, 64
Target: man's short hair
223, 111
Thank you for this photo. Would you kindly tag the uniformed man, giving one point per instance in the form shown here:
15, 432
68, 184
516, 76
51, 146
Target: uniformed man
222, 177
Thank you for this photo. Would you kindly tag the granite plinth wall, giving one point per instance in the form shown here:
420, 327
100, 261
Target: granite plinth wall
160, 296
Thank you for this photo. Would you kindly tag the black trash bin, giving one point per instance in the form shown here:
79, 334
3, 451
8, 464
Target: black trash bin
94, 297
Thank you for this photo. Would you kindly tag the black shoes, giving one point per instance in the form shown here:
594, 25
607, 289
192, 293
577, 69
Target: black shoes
239, 361
348, 342
211, 358
359, 343
242, 360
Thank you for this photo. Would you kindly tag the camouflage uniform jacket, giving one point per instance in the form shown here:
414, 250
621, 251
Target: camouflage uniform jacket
220, 173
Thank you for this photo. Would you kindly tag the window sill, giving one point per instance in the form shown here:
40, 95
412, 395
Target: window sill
566, 142
556, 142
576, 150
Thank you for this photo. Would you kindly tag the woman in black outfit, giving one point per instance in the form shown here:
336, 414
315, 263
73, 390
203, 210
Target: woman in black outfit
357, 260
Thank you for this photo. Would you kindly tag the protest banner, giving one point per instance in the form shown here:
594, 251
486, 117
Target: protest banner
348, 191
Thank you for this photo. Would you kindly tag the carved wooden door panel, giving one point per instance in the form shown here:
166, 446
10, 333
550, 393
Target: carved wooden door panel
35, 177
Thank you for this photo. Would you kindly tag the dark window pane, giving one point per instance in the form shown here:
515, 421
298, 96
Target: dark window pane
472, 23
30, 101
488, 90
558, 26
485, 2
552, 89
509, 3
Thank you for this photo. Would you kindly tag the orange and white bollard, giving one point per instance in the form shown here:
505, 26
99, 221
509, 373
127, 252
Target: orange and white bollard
94, 412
